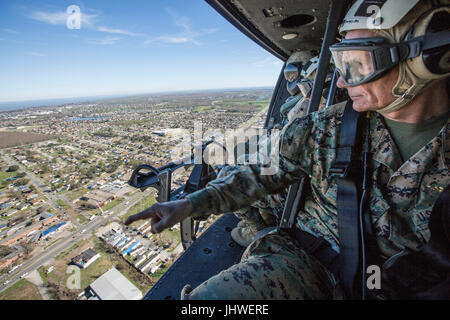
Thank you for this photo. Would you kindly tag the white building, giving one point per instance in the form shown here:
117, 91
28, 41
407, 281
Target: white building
112, 285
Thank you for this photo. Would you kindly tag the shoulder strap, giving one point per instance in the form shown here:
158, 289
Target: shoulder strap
348, 201
350, 221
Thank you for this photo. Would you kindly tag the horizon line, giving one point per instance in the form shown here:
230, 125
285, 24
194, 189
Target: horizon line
130, 94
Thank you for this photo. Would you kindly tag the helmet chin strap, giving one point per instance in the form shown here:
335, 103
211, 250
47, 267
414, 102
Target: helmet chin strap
403, 100
407, 88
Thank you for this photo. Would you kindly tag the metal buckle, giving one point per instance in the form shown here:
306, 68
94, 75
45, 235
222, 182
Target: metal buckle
342, 163
339, 171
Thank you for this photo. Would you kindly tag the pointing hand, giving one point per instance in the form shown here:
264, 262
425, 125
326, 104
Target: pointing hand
163, 215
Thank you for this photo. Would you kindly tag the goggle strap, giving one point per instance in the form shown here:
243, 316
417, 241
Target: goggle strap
428, 41
388, 57
410, 49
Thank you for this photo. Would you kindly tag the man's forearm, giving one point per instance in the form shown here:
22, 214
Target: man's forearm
249, 183
241, 188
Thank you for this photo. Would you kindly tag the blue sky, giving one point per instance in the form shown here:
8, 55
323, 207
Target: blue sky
123, 47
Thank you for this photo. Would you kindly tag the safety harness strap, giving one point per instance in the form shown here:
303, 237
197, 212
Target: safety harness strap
346, 170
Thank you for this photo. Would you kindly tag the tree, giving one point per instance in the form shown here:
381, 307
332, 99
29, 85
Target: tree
28, 247
4, 251
21, 174
45, 168
13, 168
22, 182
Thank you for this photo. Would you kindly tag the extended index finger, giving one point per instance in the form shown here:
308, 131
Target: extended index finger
145, 214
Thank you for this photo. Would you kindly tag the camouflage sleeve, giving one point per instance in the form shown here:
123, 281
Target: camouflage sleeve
246, 184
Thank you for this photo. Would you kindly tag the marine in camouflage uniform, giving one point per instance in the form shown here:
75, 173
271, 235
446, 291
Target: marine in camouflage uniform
402, 195
265, 212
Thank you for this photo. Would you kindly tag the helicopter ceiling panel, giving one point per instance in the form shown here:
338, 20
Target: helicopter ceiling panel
279, 26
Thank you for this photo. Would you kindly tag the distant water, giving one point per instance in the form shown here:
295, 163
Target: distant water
87, 119
17, 105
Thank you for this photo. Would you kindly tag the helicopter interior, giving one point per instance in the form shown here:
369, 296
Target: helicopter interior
282, 28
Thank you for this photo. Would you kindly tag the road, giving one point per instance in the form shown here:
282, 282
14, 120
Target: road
67, 242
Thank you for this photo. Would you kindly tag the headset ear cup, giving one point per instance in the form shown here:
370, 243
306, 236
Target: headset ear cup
437, 60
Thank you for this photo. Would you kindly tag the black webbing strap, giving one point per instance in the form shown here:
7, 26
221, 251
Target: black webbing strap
348, 201
347, 141
317, 247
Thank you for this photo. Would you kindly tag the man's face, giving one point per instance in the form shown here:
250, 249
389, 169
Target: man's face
374, 95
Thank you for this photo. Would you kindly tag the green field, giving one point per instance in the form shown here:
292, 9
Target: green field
140, 206
202, 108
62, 204
21, 290
7, 175
82, 219
112, 204
73, 195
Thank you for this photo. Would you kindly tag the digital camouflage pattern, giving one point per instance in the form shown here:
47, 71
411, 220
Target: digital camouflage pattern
266, 212
401, 194
298, 111
262, 213
271, 268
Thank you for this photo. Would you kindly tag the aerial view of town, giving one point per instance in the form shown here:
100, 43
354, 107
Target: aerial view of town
64, 191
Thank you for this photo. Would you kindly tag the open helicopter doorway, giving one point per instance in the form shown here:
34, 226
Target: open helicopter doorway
215, 250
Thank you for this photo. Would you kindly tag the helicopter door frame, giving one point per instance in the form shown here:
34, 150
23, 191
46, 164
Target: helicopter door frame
279, 96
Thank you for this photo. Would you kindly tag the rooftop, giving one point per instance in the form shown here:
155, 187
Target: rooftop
84, 257
112, 285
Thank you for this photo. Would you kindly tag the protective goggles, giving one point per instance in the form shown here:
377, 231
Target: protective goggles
292, 71
363, 60
360, 61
